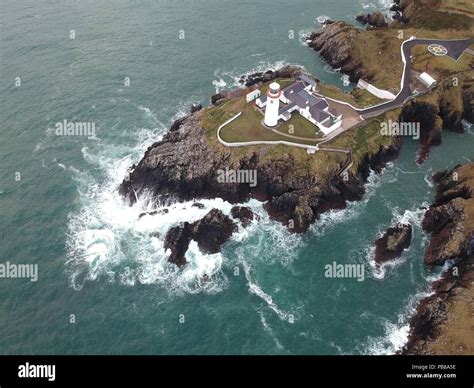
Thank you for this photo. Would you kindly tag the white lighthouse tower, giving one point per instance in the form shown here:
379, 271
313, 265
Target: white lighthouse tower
273, 104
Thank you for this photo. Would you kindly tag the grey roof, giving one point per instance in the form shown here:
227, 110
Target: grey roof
296, 95
263, 98
286, 108
310, 99
318, 114
293, 88
307, 80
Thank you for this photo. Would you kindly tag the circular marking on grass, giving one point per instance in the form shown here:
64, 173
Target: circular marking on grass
438, 50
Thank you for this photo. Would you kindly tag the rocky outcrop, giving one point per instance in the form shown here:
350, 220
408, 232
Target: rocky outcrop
177, 239
404, 9
441, 319
376, 19
335, 43
195, 108
244, 214
216, 98
393, 242
153, 213
288, 71
210, 233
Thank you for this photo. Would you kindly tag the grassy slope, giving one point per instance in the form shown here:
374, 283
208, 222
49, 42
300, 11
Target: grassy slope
379, 50
366, 138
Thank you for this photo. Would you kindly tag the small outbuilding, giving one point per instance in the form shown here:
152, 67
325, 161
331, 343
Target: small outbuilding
253, 95
427, 80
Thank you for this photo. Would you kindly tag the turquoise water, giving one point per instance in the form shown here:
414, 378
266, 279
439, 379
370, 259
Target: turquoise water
267, 293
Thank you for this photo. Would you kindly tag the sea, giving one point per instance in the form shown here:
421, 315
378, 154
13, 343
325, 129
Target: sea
127, 69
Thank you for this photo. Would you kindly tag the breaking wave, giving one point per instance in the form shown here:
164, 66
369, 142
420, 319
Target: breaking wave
395, 333
107, 239
322, 19
255, 289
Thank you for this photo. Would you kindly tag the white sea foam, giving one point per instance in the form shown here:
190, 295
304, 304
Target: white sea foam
268, 329
330, 219
367, 5
322, 19
219, 83
107, 238
428, 179
255, 289
330, 70
411, 217
303, 36
184, 107
149, 113
395, 333
468, 127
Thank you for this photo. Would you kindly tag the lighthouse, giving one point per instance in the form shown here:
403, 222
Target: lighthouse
273, 104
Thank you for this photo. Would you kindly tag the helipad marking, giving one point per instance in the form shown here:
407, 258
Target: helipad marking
438, 50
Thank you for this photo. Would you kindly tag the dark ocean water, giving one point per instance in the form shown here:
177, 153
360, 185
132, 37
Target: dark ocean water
98, 260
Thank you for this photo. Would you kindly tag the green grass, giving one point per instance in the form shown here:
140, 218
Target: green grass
248, 127
297, 125
358, 98
441, 14
365, 99
336, 93
284, 82
365, 138
440, 67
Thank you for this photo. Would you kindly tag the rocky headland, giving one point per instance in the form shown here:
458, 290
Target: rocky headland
443, 322
185, 166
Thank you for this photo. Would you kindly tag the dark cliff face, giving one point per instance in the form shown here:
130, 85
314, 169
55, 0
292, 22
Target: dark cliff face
376, 19
430, 125
184, 167
335, 43
449, 219
450, 222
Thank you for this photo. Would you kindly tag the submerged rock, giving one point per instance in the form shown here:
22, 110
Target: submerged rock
393, 242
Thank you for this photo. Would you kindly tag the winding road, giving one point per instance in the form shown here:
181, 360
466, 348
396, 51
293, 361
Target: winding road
455, 49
